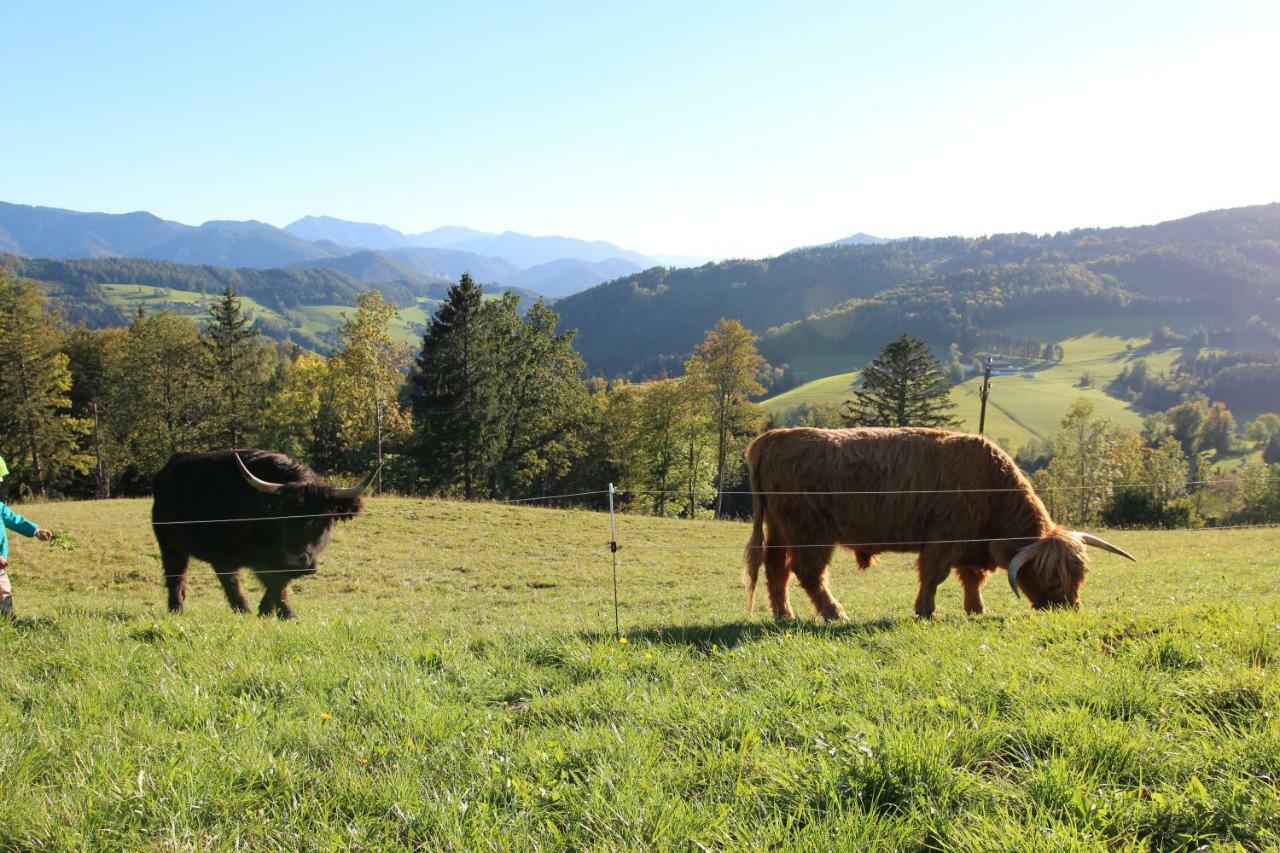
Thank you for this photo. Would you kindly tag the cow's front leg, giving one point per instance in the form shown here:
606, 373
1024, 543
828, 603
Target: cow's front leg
267, 607
972, 579
810, 567
275, 601
284, 609
932, 570
175, 563
229, 577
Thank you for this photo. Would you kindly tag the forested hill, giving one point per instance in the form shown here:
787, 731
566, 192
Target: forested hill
76, 283
1221, 264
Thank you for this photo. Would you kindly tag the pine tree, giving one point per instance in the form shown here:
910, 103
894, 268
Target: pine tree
725, 364
229, 340
446, 391
41, 437
905, 386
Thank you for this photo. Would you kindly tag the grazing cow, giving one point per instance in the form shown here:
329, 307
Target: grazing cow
289, 514
955, 499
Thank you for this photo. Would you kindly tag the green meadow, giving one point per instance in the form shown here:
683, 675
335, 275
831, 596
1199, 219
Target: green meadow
453, 682
1030, 405
317, 320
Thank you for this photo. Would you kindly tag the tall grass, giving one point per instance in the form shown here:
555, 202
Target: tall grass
452, 682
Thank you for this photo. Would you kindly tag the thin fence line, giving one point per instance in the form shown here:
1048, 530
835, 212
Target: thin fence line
255, 518
547, 497
914, 543
681, 492
604, 549
1034, 488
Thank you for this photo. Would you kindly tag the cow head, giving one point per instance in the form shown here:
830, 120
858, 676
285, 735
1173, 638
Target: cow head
316, 505
1051, 570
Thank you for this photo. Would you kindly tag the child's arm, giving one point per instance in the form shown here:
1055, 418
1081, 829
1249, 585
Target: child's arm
17, 523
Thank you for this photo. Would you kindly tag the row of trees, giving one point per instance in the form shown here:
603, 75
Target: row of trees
492, 405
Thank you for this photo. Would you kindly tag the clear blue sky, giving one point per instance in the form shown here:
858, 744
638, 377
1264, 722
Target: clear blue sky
717, 129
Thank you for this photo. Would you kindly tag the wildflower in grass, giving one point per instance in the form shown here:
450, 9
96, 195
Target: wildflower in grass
324, 717
648, 655
622, 640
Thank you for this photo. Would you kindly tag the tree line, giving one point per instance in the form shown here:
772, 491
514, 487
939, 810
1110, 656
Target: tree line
492, 404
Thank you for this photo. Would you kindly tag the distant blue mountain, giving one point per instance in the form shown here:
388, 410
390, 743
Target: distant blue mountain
525, 251
239, 244
445, 236
362, 235
557, 266
415, 264
565, 265
50, 232
566, 276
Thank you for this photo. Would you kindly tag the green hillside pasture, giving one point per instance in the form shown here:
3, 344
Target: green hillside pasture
452, 682
1030, 405
315, 320
133, 296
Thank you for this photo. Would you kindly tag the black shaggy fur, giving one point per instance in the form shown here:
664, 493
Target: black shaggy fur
205, 487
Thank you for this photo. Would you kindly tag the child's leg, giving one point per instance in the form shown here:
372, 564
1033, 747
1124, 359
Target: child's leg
6, 594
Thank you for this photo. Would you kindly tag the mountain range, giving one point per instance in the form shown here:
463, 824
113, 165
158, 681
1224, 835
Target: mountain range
551, 265
1219, 270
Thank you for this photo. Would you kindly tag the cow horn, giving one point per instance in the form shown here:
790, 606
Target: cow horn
259, 484
350, 493
1019, 559
1090, 539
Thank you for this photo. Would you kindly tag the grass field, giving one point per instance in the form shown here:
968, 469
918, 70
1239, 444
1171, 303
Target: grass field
1030, 406
316, 320
452, 682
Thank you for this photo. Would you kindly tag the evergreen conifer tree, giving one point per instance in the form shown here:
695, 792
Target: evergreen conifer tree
445, 389
229, 340
905, 386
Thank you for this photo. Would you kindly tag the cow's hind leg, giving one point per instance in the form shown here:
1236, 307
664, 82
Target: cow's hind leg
229, 577
972, 578
810, 568
175, 564
933, 566
777, 573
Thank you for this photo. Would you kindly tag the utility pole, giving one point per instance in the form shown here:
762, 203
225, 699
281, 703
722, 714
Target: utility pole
104, 488
983, 393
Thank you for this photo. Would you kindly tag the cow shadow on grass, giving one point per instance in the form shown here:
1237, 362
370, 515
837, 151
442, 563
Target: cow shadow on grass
731, 634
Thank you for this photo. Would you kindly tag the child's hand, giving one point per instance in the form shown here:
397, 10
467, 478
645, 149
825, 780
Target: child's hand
4, 564
44, 535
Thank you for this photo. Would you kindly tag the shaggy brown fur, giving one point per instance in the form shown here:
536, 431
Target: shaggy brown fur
931, 483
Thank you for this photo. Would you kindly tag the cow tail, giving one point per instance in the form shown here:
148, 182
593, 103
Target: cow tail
754, 554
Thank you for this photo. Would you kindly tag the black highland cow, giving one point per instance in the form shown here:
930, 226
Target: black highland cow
248, 484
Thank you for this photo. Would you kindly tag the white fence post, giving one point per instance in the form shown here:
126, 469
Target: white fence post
613, 549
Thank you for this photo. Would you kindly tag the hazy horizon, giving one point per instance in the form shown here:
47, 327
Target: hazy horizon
734, 131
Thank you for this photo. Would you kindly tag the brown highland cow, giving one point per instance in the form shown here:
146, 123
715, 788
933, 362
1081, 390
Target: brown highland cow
956, 499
